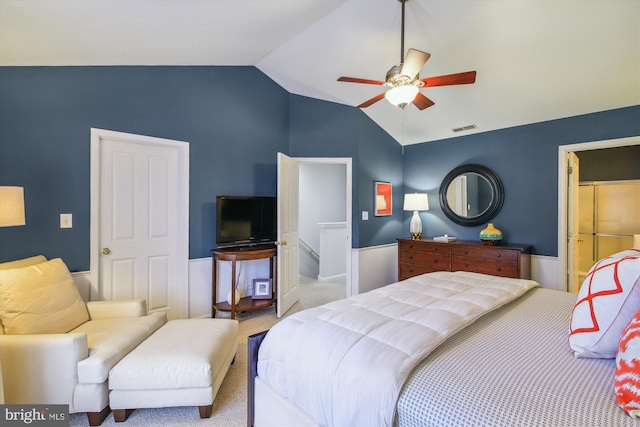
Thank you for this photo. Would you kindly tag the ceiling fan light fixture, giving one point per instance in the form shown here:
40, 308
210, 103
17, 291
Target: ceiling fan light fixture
400, 96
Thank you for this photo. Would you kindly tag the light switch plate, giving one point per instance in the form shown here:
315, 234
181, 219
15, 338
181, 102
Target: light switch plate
66, 220
365, 215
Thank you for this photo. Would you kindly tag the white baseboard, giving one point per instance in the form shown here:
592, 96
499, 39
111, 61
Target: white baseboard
336, 278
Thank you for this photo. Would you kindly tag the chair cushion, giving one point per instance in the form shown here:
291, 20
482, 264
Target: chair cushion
40, 299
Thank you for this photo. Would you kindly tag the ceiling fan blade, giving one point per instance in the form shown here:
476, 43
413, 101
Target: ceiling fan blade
422, 101
413, 62
451, 79
358, 80
373, 100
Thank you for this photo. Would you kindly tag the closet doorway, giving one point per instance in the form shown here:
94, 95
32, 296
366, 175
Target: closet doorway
568, 206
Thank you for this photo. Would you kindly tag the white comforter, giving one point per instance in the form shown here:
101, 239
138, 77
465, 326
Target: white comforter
345, 362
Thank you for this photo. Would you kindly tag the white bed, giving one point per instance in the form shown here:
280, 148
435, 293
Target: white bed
512, 366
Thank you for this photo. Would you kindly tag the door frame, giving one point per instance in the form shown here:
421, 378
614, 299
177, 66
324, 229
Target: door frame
347, 161
97, 135
563, 183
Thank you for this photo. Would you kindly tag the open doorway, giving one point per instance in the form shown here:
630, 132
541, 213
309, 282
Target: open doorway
324, 230
567, 187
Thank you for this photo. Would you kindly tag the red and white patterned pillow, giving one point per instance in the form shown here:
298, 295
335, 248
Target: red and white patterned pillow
627, 382
608, 299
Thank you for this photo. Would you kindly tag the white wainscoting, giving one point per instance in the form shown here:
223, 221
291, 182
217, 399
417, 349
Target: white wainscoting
82, 280
372, 268
544, 270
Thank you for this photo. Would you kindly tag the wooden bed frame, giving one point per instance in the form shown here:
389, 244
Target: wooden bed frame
253, 345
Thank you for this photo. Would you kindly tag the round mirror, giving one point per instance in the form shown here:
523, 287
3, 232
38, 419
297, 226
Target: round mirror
471, 195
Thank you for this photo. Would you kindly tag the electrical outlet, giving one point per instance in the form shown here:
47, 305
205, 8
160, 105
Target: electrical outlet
66, 220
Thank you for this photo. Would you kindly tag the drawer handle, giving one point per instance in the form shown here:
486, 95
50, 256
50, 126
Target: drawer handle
411, 257
499, 255
466, 265
499, 269
435, 261
466, 252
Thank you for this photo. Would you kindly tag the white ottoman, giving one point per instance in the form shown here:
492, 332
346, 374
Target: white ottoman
182, 364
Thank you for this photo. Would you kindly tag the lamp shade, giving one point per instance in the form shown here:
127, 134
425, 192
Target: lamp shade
416, 202
400, 96
11, 206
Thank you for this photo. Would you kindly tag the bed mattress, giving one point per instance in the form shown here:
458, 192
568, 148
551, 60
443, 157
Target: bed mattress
513, 367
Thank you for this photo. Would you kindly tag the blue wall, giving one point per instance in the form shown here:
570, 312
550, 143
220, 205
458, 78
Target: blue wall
234, 132
526, 159
46, 114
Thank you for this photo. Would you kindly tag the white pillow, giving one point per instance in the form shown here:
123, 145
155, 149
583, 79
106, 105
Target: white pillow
40, 299
606, 302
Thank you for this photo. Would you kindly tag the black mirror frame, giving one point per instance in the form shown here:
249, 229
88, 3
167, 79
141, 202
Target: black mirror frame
496, 187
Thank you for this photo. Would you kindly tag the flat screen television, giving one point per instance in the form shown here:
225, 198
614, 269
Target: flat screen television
245, 221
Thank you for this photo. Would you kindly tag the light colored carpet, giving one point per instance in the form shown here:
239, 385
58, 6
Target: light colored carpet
230, 404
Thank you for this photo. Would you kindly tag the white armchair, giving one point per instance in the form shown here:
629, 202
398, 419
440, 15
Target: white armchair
44, 366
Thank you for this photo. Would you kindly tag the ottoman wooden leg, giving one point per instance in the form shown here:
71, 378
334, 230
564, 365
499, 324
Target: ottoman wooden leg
121, 415
205, 411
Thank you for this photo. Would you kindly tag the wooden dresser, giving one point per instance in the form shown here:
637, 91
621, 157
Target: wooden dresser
424, 256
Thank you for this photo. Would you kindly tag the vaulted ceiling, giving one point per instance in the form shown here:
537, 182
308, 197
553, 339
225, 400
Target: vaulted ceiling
536, 60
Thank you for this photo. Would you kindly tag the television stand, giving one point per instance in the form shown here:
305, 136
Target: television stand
242, 254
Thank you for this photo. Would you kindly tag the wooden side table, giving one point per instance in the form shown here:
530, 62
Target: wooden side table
241, 254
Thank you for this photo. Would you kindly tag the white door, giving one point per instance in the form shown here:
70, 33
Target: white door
140, 207
288, 184
573, 221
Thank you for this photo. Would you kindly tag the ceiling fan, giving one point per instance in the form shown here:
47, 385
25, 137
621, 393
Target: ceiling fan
405, 82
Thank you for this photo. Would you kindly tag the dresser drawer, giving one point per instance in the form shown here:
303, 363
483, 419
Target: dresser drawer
409, 270
485, 266
425, 258
486, 253
420, 246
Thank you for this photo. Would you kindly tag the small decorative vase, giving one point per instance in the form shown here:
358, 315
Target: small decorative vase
237, 297
491, 235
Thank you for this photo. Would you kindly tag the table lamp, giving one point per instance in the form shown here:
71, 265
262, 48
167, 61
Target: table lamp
416, 202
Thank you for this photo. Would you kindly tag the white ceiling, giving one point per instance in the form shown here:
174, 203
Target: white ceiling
536, 60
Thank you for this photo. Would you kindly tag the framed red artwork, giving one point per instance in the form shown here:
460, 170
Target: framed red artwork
382, 203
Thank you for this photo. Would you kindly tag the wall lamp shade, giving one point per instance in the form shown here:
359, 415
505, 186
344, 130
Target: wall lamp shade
11, 206
416, 202
400, 96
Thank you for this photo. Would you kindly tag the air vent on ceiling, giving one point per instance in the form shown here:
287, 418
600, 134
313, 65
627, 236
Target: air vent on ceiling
464, 128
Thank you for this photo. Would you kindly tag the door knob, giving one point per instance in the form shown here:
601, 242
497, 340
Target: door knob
106, 251
281, 242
